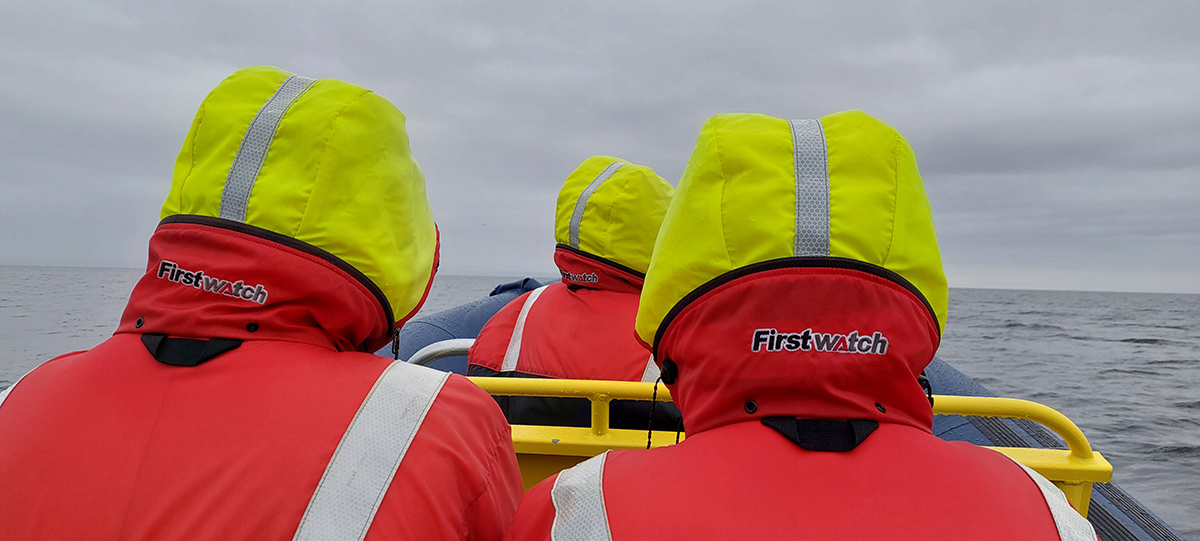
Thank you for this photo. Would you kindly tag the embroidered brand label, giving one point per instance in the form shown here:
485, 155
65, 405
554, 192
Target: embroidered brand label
585, 278
808, 340
169, 270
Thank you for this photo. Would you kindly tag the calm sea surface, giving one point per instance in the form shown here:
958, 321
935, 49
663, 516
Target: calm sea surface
1125, 367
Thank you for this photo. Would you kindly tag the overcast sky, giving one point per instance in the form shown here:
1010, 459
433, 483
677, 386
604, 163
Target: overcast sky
1059, 141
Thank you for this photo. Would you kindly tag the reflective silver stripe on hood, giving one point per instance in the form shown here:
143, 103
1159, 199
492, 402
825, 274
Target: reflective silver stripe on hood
255, 143
370, 452
577, 216
513, 354
578, 496
812, 188
1071, 525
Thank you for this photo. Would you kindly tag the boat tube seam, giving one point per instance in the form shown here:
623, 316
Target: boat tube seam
1135, 511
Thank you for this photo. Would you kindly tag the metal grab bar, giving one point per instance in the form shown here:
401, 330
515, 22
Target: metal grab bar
545, 449
440, 350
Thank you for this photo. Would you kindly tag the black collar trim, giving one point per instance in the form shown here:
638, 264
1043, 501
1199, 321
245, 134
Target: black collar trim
784, 263
602, 260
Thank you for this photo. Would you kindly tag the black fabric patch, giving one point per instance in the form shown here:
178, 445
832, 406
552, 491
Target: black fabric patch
577, 412
186, 351
829, 435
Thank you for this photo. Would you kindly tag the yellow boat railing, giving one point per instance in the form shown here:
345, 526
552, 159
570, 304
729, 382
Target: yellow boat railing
545, 450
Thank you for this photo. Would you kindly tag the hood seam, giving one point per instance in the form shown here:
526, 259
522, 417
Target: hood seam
608, 218
611, 207
895, 199
324, 154
724, 187
203, 113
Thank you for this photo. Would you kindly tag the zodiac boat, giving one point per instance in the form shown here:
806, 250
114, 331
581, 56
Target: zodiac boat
1031, 433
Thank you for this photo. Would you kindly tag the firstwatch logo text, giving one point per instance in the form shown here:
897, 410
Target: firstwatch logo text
584, 278
809, 340
169, 270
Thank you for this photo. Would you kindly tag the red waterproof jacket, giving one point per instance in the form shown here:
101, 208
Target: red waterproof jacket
293, 433
829, 445
580, 328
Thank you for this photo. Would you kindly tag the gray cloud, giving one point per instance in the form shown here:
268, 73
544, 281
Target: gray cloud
1058, 142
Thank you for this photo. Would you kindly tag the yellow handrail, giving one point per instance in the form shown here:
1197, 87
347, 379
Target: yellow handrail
982, 406
545, 450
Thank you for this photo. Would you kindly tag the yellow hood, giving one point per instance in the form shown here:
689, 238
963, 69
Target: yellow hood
759, 188
612, 209
322, 161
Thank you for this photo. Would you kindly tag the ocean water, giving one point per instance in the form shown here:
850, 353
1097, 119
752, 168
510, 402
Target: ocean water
1124, 366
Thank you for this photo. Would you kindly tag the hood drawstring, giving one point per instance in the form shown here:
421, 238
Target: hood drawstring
923, 380
650, 421
396, 344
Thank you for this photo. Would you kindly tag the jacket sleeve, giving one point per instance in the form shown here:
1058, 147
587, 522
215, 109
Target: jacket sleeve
535, 516
492, 341
492, 512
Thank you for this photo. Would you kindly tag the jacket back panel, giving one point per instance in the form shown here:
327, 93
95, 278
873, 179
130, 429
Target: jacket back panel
110, 444
580, 334
746, 481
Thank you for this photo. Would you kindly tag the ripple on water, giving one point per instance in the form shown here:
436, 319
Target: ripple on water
1032, 326
1171, 451
1152, 341
1129, 371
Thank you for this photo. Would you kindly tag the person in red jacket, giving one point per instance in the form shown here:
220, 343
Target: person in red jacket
238, 398
794, 296
607, 218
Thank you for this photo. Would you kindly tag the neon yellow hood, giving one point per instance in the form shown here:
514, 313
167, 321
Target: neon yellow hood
612, 209
759, 188
322, 161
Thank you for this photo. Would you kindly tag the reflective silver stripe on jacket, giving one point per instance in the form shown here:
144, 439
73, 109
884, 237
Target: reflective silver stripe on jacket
1071, 525
577, 216
812, 188
255, 143
578, 496
513, 353
651, 373
371, 450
